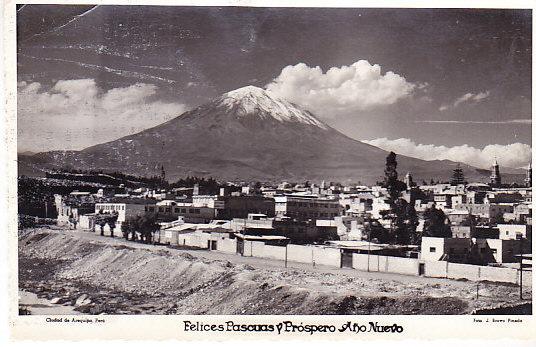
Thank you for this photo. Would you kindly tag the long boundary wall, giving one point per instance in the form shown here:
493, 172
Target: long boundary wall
435, 269
375, 263
300, 254
380, 263
443, 269
226, 246
274, 252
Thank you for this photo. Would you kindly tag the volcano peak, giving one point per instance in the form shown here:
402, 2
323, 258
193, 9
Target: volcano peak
255, 101
246, 91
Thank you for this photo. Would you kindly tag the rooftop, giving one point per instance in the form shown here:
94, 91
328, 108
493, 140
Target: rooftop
261, 238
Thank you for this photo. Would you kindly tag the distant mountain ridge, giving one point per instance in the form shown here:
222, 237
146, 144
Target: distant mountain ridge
246, 134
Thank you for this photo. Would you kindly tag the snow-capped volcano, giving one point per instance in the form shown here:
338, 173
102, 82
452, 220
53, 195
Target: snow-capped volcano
245, 134
252, 100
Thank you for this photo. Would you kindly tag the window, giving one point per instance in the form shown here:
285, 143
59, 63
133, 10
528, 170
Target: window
494, 251
432, 249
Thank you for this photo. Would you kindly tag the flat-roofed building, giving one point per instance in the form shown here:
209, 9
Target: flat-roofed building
347, 228
514, 231
457, 217
449, 249
443, 200
125, 210
171, 210
461, 231
304, 207
485, 210
497, 250
213, 201
241, 205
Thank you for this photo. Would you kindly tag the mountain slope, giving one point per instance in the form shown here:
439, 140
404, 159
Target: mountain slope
246, 134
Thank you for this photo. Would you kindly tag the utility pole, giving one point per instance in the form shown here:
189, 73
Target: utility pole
478, 283
286, 254
368, 254
244, 238
521, 268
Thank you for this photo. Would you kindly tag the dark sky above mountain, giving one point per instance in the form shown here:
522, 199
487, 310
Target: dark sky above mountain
458, 81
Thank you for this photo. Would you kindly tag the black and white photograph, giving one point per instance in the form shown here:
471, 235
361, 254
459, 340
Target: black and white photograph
249, 161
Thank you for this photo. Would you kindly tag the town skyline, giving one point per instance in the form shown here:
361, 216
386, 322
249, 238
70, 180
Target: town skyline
460, 232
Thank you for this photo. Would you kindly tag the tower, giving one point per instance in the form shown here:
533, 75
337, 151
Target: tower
162, 173
408, 180
528, 179
495, 177
457, 176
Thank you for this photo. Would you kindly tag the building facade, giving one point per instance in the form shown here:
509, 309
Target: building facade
307, 207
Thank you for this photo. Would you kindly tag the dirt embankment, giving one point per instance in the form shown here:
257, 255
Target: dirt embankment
99, 277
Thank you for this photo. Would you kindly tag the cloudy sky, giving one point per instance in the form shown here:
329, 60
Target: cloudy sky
433, 84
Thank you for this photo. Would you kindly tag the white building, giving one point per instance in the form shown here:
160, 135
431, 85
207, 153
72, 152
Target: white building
497, 250
348, 228
513, 231
378, 205
125, 211
256, 221
449, 249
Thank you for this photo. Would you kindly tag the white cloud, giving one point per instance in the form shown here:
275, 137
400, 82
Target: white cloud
74, 114
360, 86
466, 98
507, 121
514, 155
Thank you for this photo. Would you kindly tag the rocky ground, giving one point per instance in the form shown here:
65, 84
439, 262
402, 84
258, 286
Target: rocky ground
99, 275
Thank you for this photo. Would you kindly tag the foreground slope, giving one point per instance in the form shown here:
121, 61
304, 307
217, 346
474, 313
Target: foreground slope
104, 275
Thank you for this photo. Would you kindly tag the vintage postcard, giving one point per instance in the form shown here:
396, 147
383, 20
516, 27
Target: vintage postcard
244, 170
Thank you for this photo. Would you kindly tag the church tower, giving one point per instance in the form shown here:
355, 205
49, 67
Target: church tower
495, 177
162, 173
528, 179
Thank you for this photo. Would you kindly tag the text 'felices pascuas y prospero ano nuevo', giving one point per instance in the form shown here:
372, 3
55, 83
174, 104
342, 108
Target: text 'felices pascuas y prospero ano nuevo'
292, 327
